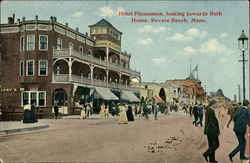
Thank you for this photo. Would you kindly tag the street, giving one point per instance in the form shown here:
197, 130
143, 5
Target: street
170, 139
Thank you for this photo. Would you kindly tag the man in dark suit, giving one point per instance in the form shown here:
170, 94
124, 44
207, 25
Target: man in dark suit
240, 127
212, 131
196, 114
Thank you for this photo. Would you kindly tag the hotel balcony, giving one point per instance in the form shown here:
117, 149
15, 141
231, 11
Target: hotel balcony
64, 53
67, 78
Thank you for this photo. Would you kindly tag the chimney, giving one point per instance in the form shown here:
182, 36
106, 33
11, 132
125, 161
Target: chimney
86, 33
66, 24
77, 29
13, 18
36, 18
18, 21
55, 18
23, 19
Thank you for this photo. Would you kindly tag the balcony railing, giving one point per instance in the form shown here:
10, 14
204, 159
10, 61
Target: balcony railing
66, 78
62, 53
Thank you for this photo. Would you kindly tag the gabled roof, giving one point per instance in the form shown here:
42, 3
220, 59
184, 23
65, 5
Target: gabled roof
104, 22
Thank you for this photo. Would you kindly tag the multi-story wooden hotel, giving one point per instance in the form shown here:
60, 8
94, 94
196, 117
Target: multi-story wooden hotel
53, 63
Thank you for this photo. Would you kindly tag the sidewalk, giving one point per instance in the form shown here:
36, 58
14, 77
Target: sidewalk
7, 127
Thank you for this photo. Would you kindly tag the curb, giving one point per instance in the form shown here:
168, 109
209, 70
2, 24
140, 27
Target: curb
24, 129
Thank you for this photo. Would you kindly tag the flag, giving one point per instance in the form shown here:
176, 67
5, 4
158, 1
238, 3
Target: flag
196, 68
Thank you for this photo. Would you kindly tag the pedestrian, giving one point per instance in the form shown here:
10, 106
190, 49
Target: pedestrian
83, 112
200, 114
102, 110
212, 131
185, 109
56, 110
88, 110
190, 110
106, 111
196, 114
156, 108
130, 113
26, 113
231, 113
145, 111
240, 127
122, 119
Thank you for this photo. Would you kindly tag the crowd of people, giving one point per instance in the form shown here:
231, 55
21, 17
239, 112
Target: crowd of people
239, 114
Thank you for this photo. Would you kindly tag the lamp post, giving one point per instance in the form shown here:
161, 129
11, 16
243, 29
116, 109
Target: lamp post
243, 45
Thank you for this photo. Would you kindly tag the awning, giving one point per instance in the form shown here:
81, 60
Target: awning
104, 93
158, 99
129, 96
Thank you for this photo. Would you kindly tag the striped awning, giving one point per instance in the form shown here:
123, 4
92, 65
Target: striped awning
104, 93
158, 99
129, 96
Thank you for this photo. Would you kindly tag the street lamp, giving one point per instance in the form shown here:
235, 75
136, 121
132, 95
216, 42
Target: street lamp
243, 45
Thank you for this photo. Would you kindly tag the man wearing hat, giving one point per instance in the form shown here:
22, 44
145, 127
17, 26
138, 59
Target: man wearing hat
240, 127
212, 131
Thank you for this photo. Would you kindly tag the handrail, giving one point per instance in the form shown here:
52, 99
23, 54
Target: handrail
68, 52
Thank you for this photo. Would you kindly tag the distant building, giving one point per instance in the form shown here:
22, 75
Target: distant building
219, 97
56, 64
168, 92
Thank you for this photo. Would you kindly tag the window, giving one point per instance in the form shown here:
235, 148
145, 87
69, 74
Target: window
81, 49
43, 67
41, 99
58, 69
71, 45
21, 72
30, 42
43, 42
22, 43
90, 52
30, 68
34, 97
59, 44
25, 98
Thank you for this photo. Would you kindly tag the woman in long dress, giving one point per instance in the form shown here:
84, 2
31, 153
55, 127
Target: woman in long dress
102, 110
122, 119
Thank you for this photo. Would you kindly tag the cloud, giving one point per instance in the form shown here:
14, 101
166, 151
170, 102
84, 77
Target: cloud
159, 60
145, 41
225, 34
179, 37
189, 35
78, 14
195, 33
223, 60
213, 47
150, 29
106, 11
188, 51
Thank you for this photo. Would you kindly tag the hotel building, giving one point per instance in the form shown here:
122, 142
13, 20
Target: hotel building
55, 64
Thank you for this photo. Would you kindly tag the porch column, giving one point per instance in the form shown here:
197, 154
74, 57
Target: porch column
70, 69
120, 77
91, 72
107, 73
107, 53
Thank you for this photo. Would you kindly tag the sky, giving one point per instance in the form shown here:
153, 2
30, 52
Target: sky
162, 51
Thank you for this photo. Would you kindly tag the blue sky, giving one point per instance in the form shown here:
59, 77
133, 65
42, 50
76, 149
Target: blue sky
161, 51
